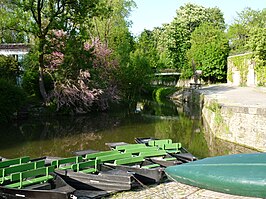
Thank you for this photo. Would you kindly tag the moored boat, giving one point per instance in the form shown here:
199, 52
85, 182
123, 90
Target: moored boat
21, 178
181, 154
163, 158
238, 174
132, 161
88, 173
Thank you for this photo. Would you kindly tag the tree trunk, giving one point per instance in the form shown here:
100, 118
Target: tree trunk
41, 67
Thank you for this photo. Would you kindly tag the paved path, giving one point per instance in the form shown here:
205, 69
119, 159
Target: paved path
174, 190
237, 96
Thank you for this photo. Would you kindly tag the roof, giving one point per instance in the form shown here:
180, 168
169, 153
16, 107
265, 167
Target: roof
14, 46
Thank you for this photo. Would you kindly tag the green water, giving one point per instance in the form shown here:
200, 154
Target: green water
60, 136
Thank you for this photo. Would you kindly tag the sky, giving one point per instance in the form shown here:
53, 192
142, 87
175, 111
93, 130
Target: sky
154, 13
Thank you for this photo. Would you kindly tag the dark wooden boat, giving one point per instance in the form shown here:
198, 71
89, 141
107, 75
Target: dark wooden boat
142, 170
163, 160
91, 174
238, 174
23, 179
182, 155
140, 162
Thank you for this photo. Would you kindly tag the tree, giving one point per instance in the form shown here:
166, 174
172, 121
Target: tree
39, 17
188, 18
112, 27
83, 75
135, 76
160, 37
209, 49
241, 30
146, 45
9, 33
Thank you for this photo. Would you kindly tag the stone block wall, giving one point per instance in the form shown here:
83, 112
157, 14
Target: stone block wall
241, 125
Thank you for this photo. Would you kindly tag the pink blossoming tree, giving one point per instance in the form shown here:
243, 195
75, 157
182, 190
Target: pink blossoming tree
83, 77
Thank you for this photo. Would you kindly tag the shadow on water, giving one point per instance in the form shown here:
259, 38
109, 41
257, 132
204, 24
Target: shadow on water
60, 136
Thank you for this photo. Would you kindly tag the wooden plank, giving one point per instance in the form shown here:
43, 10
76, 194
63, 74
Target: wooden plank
159, 142
19, 168
130, 146
153, 153
15, 161
114, 157
100, 154
150, 166
64, 161
129, 160
139, 150
22, 177
82, 165
30, 182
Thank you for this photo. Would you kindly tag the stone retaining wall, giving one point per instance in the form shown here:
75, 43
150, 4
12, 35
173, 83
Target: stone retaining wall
241, 125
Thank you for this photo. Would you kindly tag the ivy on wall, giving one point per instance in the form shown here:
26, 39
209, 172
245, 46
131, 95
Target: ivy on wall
241, 63
260, 70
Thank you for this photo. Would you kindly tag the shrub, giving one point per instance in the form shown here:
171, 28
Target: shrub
30, 83
12, 98
9, 68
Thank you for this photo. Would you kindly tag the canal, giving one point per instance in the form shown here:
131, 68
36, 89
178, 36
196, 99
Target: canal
61, 135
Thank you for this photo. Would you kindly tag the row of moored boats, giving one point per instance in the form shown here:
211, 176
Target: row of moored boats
97, 173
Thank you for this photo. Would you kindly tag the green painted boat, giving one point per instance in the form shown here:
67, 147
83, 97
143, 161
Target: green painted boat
239, 174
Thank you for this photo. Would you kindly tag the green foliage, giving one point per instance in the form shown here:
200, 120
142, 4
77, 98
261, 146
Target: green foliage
30, 76
30, 83
111, 27
146, 45
209, 50
241, 63
9, 68
162, 93
216, 108
12, 99
257, 44
241, 31
7, 20
135, 76
188, 18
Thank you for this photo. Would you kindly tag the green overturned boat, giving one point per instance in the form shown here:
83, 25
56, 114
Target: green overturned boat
239, 174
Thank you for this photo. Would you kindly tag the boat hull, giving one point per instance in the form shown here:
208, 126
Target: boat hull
144, 175
108, 180
240, 174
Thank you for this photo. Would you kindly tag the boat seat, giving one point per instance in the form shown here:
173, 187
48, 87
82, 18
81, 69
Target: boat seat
100, 154
150, 166
90, 170
31, 177
169, 159
114, 157
159, 142
65, 163
15, 161
171, 148
5, 172
130, 146
83, 166
153, 153
129, 160
139, 150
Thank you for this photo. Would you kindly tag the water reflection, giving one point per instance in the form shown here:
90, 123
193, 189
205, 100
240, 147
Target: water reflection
59, 136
